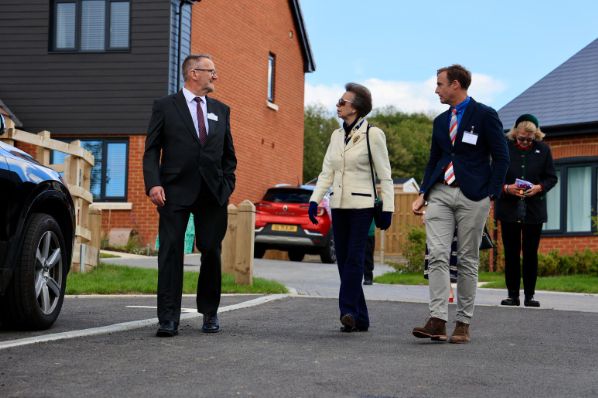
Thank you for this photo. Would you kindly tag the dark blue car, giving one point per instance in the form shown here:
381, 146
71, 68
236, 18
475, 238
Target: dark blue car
37, 227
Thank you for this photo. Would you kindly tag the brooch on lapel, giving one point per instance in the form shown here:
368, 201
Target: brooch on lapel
355, 139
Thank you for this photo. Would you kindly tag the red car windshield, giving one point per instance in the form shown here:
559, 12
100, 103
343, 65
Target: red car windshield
287, 195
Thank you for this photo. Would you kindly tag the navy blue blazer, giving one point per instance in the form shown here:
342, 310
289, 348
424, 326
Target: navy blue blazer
480, 169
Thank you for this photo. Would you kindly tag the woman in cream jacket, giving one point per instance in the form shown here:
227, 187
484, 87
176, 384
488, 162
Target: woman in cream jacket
346, 171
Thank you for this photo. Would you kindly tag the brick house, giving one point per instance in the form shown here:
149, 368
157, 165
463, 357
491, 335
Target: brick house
566, 103
90, 70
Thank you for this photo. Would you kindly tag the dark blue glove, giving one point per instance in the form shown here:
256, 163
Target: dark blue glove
313, 212
385, 220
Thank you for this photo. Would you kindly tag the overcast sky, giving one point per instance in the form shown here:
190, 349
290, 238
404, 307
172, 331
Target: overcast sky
394, 47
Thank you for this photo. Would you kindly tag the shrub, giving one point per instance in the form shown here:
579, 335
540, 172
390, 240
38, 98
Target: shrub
415, 250
553, 263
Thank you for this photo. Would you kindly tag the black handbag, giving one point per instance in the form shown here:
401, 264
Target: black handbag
377, 200
486, 242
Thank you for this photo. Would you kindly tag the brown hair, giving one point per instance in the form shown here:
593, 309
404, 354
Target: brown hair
190, 62
363, 98
458, 73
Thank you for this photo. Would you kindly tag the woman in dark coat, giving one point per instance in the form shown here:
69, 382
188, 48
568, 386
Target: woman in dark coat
521, 208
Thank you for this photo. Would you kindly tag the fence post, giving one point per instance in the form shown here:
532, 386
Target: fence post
42, 154
244, 245
95, 227
229, 243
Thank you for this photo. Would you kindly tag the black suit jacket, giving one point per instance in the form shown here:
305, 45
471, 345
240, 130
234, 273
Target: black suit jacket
479, 169
537, 167
175, 159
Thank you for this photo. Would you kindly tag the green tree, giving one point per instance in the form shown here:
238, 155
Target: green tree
408, 138
319, 125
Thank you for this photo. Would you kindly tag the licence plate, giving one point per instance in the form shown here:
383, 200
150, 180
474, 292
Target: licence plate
284, 228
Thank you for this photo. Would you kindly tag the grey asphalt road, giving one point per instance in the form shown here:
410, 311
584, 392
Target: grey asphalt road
292, 347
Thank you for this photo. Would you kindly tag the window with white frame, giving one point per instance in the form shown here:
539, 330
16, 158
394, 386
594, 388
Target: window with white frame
90, 25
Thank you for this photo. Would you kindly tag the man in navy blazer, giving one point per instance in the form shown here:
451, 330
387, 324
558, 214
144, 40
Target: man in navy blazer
466, 170
189, 167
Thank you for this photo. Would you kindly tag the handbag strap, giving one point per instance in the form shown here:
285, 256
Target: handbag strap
367, 138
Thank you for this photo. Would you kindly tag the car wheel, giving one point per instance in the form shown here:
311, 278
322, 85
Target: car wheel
328, 253
259, 251
36, 294
296, 255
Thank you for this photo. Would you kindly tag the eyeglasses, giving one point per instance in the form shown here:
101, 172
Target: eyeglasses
342, 101
525, 139
212, 71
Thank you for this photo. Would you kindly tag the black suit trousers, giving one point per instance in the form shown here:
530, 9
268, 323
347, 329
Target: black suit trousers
521, 238
210, 221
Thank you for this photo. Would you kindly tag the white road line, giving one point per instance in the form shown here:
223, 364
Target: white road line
121, 327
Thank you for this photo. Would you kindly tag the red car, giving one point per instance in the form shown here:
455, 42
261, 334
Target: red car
282, 223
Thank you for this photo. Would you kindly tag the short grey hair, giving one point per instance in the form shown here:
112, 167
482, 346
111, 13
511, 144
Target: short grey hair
190, 62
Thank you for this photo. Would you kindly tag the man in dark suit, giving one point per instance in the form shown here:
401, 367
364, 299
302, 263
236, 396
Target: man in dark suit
468, 162
189, 167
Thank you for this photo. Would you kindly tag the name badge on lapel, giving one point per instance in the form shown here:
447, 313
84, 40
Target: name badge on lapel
212, 116
469, 137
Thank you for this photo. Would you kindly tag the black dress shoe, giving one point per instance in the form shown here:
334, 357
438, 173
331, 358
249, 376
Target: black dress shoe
346, 329
368, 281
210, 324
168, 329
530, 302
348, 321
511, 301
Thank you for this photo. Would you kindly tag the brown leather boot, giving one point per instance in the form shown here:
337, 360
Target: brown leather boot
434, 329
460, 334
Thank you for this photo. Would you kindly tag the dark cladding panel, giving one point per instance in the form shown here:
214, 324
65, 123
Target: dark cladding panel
82, 93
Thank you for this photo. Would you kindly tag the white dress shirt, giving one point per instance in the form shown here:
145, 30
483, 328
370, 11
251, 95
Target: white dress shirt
192, 105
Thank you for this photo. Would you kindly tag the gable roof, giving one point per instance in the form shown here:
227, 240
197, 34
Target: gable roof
566, 96
309, 64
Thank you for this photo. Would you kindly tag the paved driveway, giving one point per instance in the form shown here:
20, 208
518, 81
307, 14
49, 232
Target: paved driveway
290, 346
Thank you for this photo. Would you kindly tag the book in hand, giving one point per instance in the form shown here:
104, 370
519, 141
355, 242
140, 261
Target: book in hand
523, 184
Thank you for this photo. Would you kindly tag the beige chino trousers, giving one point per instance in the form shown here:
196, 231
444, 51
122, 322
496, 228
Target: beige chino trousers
447, 208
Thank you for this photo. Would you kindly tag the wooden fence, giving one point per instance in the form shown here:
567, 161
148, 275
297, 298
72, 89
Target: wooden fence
77, 175
390, 243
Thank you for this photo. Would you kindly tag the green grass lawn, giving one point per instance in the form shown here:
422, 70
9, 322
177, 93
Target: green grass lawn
116, 279
108, 255
570, 283
417, 278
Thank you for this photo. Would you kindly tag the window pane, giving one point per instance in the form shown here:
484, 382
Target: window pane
116, 170
119, 24
579, 207
65, 25
93, 24
271, 61
57, 157
95, 147
553, 205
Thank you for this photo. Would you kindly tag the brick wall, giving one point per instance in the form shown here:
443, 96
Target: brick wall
568, 147
268, 143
